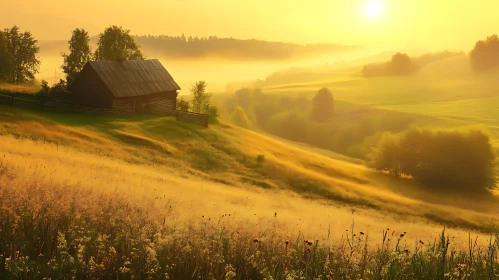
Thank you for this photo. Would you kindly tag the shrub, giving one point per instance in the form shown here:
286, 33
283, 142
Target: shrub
183, 105
213, 114
459, 160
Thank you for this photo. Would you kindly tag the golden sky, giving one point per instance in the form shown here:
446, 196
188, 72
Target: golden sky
455, 24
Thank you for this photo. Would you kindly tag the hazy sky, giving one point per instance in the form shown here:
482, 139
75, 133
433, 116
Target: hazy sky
433, 23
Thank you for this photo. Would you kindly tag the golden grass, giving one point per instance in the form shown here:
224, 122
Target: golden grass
18, 88
288, 170
186, 200
131, 198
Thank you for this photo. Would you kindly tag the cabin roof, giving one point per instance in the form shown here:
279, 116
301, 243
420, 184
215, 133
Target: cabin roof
129, 78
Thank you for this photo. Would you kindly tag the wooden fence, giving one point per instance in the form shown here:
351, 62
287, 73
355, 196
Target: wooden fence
66, 105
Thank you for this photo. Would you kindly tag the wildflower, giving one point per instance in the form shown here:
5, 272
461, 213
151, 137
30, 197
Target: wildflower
275, 214
361, 233
310, 243
402, 235
255, 240
287, 242
421, 242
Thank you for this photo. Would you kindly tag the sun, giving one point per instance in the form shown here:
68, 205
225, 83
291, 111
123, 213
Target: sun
374, 9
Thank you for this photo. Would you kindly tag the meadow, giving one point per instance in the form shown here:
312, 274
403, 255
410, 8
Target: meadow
150, 198
446, 89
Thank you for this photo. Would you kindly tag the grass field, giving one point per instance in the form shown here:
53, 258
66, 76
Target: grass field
447, 89
148, 197
151, 198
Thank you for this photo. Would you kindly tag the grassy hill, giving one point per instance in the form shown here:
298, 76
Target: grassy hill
230, 156
152, 197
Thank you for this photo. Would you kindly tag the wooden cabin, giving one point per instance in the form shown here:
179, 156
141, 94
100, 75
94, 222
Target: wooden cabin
126, 86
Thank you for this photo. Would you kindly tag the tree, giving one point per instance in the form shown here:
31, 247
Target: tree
485, 54
458, 160
322, 105
6, 59
239, 118
115, 43
23, 48
401, 65
79, 54
201, 101
201, 98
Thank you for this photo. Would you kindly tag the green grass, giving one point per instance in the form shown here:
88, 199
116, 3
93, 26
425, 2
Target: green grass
446, 89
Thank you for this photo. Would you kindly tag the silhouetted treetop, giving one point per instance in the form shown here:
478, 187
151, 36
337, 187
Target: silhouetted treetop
115, 43
322, 106
6, 58
485, 54
23, 48
79, 54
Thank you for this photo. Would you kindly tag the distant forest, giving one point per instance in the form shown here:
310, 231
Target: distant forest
230, 48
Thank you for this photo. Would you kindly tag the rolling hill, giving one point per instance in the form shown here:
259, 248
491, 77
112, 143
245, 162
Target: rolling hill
228, 156
153, 198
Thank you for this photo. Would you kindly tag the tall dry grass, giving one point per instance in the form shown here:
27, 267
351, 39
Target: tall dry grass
66, 214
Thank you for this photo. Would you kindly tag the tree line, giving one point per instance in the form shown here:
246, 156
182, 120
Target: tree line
19, 61
320, 121
230, 48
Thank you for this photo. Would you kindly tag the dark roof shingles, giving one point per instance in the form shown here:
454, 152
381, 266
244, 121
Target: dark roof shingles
134, 77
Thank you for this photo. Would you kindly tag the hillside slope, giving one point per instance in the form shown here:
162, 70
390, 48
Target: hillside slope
232, 156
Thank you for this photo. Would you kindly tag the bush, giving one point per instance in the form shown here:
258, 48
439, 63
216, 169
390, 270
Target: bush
183, 105
213, 114
459, 160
